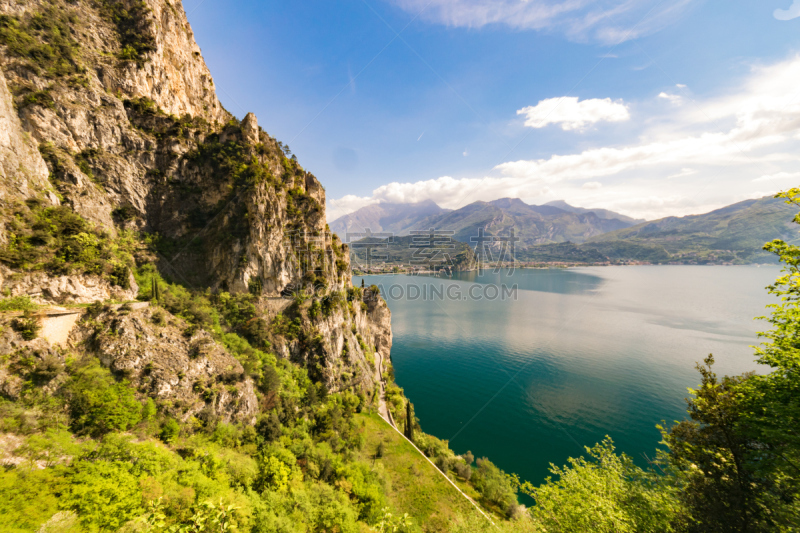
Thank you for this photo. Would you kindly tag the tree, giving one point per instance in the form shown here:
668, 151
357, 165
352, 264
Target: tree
409, 429
495, 486
606, 493
103, 494
156, 293
100, 405
739, 456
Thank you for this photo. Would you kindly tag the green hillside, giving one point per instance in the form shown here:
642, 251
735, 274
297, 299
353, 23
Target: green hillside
734, 234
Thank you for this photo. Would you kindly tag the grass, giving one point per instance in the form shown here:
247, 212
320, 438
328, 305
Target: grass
17, 303
416, 487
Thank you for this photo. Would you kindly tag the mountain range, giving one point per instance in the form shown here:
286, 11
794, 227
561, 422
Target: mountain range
533, 224
559, 232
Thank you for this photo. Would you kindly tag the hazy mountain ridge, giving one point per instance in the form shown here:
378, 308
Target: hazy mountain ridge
735, 234
533, 224
397, 219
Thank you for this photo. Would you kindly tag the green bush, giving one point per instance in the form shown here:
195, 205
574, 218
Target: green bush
494, 485
104, 494
59, 241
29, 496
40, 98
99, 404
28, 326
170, 430
130, 19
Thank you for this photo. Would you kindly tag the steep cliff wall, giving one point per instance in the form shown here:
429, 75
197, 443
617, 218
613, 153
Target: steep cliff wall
144, 166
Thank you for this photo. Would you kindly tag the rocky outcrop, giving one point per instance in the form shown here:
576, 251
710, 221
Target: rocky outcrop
174, 74
188, 375
23, 172
66, 289
346, 347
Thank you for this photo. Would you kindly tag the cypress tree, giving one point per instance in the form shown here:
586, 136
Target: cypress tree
409, 422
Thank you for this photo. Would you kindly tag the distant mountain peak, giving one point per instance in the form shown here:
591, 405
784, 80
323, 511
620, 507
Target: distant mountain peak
601, 213
508, 202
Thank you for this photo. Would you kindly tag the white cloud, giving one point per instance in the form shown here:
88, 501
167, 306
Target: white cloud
606, 21
710, 153
778, 176
592, 185
674, 99
573, 114
680, 86
347, 204
788, 14
683, 173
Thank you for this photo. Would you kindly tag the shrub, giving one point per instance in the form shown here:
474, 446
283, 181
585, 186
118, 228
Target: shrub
40, 98
170, 430
494, 485
27, 326
269, 427
104, 494
58, 240
159, 318
463, 470
99, 404
132, 26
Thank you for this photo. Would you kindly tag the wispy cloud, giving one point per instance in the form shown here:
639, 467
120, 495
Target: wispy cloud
777, 177
711, 151
605, 21
788, 14
674, 99
572, 114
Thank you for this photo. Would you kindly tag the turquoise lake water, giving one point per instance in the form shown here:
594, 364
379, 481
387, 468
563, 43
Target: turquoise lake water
577, 354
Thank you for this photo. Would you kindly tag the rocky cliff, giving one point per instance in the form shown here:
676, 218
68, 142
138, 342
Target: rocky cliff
117, 155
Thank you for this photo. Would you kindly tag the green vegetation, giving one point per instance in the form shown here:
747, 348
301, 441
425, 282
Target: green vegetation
57, 240
733, 234
40, 98
44, 40
17, 303
27, 326
135, 37
414, 486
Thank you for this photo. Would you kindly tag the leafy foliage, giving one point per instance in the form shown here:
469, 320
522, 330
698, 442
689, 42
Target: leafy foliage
739, 456
44, 41
606, 493
59, 241
99, 404
17, 303
130, 19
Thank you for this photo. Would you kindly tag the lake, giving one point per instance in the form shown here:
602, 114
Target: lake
530, 378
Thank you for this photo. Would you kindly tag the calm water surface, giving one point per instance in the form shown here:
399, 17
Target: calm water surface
579, 354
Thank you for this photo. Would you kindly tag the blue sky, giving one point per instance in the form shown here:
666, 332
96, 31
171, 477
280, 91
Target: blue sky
648, 107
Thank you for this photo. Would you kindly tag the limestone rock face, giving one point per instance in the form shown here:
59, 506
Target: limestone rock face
72, 289
23, 172
133, 137
350, 348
